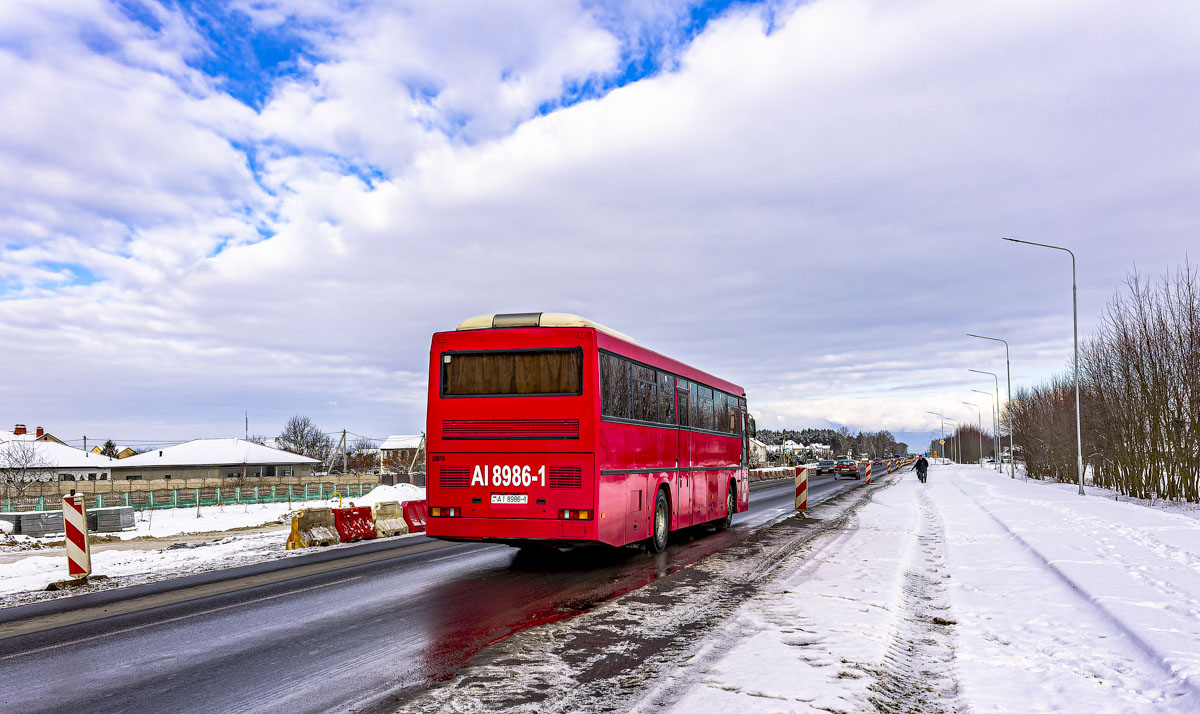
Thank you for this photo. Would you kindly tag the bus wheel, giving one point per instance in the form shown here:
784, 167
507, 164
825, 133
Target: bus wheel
662, 516
730, 507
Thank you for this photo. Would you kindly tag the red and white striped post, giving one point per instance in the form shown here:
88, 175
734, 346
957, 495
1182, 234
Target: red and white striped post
79, 552
801, 489
868, 472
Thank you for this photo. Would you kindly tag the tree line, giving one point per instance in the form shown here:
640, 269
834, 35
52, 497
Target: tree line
964, 443
1139, 397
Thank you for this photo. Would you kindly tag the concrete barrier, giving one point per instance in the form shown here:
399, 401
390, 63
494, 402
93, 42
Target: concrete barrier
415, 515
38, 524
774, 472
311, 527
389, 519
354, 523
110, 520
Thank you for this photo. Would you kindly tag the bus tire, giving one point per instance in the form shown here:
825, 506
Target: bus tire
660, 523
730, 507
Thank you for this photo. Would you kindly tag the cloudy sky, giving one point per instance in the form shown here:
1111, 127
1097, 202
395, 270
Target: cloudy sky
209, 208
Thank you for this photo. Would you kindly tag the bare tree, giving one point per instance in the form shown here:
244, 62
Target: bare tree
22, 465
302, 436
1139, 397
363, 456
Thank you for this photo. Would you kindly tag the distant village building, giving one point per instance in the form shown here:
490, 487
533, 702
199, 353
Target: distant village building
213, 458
41, 457
758, 452
39, 434
400, 451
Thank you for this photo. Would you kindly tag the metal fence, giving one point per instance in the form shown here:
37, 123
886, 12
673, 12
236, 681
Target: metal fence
193, 497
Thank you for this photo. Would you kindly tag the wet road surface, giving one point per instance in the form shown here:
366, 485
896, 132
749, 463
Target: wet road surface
348, 638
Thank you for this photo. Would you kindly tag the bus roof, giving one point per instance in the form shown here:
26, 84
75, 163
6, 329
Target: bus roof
536, 319
630, 348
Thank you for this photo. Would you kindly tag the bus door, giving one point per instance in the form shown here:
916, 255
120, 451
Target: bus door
683, 477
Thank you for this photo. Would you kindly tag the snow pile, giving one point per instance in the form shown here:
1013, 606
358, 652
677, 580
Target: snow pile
400, 492
971, 592
6, 527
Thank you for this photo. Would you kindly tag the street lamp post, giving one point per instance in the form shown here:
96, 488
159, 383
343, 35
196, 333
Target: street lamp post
957, 446
1075, 321
995, 434
979, 418
1012, 454
941, 432
996, 379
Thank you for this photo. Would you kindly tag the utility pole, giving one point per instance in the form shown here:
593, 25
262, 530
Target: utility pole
247, 426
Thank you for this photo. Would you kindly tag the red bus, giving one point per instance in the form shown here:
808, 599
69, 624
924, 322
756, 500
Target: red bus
547, 428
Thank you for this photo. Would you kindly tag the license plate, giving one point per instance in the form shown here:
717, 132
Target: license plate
510, 498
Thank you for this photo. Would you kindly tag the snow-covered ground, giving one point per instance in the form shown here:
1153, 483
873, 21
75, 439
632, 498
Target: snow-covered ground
161, 546
971, 591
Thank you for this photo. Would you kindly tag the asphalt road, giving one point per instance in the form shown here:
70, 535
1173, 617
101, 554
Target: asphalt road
342, 638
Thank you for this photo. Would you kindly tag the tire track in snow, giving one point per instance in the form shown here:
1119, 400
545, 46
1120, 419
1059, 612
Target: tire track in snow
1167, 667
917, 674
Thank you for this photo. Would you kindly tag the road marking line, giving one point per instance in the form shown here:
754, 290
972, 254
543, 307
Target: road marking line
177, 619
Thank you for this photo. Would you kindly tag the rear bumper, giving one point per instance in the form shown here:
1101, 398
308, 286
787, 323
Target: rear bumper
511, 529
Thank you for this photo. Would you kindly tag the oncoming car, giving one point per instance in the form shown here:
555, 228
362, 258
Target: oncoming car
825, 466
845, 466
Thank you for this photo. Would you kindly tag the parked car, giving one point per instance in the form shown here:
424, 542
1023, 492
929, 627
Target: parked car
845, 466
825, 466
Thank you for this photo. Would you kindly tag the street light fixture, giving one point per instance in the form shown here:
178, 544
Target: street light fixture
1075, 320
996, 379
995, 432
1012, 455
979, 417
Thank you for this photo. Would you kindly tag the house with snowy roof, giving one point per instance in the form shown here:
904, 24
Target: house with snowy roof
214, 458
39, 434
36, 458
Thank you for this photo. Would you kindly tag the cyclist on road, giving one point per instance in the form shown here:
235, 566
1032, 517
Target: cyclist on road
922, 468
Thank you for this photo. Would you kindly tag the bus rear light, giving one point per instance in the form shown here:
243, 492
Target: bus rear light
438, 512
573, 514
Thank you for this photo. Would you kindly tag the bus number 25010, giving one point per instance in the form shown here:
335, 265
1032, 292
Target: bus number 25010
508, 476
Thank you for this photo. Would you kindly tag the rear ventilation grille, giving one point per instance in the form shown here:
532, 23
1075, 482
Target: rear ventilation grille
454, 476
565, 477
510, 429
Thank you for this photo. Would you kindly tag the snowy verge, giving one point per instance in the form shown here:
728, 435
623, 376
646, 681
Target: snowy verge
970, 592
166, 544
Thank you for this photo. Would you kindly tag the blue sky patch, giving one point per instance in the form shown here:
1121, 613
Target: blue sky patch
79, 275
249, 61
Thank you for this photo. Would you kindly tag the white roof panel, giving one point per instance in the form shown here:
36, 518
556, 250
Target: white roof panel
56, 455
214, 452
401, 441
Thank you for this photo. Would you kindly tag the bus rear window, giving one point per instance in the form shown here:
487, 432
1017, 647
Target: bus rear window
527, 373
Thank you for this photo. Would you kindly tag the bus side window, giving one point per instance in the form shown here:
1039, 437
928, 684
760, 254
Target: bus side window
684, 410
666, 405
